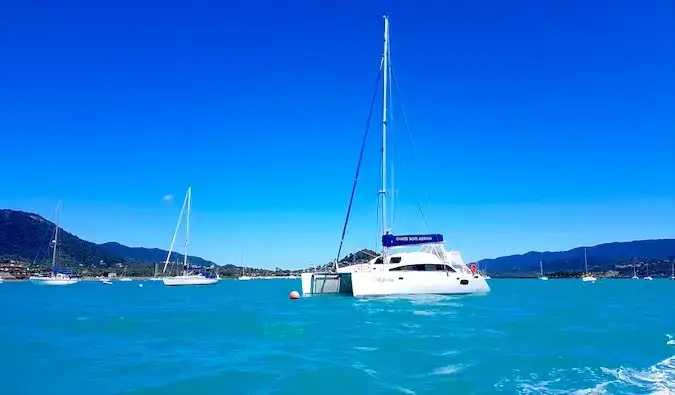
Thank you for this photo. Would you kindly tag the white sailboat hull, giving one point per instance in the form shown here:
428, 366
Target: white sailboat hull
244, 278
384, 283
53, 280
124, 279
544, 278
587, 279
189, 280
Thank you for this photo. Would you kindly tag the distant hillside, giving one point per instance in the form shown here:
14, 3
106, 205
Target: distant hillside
142, 255
618, 256
359, 256
27, 236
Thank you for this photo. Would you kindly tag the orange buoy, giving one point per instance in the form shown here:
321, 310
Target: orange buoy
294, 295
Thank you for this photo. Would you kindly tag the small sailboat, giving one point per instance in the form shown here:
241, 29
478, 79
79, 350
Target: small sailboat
635, 277
648, 277
155, 276
587, 277
187, 277
124, 277
485, 275
241, 263
56, 276
541, 271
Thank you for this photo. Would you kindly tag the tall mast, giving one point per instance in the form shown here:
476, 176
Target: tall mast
175, 233
187, 228
385, 75
585, 261
56, 234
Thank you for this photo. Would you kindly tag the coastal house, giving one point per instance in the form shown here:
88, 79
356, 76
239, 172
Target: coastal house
13, 270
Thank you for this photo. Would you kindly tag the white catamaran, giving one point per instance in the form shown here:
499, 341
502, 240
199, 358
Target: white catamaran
587, 277
56, 276
431, 270
187, 277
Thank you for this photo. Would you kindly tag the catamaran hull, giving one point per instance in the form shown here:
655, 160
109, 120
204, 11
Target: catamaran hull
380, 283
416, 283
53, 281
189, 280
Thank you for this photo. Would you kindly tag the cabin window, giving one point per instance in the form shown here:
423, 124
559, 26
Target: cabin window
378, 260
423, 268
395, 259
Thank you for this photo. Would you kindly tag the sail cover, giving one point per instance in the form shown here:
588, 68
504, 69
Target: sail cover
405, 240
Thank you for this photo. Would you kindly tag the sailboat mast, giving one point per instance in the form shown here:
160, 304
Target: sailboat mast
56, 234
187, 228
385, 75
175, 232
585, 260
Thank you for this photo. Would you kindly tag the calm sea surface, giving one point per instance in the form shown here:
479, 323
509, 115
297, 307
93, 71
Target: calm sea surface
247, 337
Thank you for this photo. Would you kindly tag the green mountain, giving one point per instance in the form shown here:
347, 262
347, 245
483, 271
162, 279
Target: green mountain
27, 237
615, 258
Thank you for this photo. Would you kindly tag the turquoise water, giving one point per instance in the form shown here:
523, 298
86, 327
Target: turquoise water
247, 337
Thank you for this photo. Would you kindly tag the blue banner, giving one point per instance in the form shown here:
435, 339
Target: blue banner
405, 240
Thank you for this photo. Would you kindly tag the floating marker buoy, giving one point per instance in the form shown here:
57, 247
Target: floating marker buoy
140, 285
294, 295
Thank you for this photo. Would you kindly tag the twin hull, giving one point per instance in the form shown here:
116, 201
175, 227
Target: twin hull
383, 283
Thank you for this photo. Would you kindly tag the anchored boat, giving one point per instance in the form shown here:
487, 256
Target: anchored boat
188, 276
56, 276
430, 270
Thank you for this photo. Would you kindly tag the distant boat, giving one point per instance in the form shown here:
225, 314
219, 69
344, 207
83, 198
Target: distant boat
187, 277
485, 275
241, 263
155, 276
124, 277
541, 271
106, 281
587, 277
635, 277
56, 276
648, 277
672, 270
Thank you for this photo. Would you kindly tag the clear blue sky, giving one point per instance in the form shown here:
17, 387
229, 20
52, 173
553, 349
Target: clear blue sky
537, 125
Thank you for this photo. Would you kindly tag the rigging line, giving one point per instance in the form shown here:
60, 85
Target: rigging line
358, 167
391, 130
412, 147
44, 238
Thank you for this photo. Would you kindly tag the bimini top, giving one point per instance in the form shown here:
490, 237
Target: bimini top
407, 240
